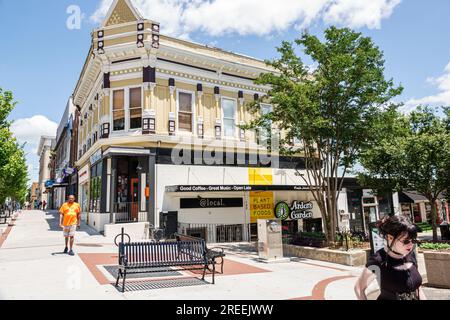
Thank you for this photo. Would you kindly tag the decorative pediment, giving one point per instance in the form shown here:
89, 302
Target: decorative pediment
121, 11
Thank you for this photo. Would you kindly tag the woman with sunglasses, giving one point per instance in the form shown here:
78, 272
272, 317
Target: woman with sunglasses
395, 266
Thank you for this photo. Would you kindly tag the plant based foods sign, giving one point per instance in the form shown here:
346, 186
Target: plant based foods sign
261, 206
297, 211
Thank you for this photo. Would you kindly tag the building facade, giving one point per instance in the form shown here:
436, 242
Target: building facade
44, 152
34, 194
64, 169
159, 137
359, 206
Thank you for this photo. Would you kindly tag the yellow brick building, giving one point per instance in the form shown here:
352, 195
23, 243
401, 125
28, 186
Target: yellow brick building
159, 129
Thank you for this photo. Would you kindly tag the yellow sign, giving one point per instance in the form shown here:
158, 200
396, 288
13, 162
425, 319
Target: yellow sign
261, 206
260, 176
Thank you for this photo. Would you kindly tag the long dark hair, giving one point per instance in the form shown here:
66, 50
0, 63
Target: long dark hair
397, 226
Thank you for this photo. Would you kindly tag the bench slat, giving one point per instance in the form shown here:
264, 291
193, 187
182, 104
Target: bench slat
164, 254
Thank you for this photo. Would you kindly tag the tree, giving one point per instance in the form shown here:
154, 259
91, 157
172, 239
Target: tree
13, 168
330, 109
417, 159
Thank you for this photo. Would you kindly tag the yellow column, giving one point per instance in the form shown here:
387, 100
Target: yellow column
105, 103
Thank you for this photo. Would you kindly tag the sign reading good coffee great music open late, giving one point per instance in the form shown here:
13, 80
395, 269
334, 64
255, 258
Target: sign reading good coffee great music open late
297, 211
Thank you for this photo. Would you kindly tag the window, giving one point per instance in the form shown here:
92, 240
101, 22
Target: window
135, 108
119, 110
266, 133
369, 200
95, 187
185, 113
229, 117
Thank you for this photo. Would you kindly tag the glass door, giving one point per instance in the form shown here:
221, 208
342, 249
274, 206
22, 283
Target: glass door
134, 199
370, 215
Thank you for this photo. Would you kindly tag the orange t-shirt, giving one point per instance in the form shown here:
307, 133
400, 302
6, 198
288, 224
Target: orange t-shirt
70, 213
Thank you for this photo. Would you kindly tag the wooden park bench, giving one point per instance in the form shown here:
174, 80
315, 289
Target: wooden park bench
147, 257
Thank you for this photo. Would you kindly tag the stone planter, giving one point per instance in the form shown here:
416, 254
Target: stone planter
348, 258
437, 265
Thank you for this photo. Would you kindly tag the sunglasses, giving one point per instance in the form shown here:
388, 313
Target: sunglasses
408, 241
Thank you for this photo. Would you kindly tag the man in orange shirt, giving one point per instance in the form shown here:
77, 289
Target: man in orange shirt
69, 220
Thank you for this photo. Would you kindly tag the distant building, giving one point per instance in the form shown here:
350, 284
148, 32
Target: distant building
34, 192
63, 167
46, 145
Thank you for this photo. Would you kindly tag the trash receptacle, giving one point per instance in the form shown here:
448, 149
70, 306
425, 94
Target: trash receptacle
445, 231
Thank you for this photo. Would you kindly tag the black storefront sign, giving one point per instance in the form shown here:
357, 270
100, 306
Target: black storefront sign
199, 203
233, 188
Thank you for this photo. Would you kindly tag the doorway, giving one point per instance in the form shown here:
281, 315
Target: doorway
134, 192
370, 215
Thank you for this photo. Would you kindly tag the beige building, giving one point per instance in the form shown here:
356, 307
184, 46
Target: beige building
34, 193
159, 136
46, 145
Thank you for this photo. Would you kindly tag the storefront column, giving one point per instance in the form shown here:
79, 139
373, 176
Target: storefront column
423, 211
151, 182
447, 212
247, 235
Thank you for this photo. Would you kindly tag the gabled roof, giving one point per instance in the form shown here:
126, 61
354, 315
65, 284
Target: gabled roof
121, 11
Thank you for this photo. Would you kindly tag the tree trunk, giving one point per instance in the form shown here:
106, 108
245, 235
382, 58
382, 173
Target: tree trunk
433, 219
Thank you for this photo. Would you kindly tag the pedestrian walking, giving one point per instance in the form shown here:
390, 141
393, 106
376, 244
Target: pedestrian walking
44, 204
70, 219
395, 266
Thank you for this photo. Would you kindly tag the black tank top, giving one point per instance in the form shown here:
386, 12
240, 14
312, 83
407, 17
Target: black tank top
396, 282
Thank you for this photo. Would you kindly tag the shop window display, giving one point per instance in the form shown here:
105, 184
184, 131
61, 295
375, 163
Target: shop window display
95, 188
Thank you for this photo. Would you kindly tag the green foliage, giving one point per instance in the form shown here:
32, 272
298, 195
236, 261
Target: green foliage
424, 226
332, 109
434, 246
13, 168
413, 153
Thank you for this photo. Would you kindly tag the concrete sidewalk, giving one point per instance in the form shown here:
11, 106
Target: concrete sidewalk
32, 266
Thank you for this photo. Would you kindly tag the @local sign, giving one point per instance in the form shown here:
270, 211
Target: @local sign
297, 211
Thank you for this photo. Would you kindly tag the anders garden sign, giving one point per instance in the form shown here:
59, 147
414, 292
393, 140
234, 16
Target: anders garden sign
298, 210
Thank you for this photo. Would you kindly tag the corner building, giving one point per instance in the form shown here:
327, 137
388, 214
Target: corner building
159, 142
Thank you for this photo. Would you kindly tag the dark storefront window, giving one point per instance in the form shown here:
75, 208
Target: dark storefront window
355, 209
95, 187
384, 205
290, 229
428, 212
417, 214
312, 225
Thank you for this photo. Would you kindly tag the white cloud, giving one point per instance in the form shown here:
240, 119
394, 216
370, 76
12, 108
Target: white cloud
180, 18
29, 131
442, 97
360, 13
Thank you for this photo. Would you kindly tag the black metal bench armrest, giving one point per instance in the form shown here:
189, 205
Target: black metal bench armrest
123, 260
214, 253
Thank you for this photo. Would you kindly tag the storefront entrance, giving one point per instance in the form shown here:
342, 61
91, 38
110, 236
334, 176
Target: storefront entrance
370, 215
127, 198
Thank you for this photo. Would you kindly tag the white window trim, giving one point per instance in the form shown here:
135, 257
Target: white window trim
126, 109
194, 113
127, 126
235, 117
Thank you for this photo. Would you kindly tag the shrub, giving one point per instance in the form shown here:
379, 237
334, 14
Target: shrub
434, 246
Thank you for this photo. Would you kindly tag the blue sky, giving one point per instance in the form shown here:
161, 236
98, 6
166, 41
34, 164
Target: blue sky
41, 59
